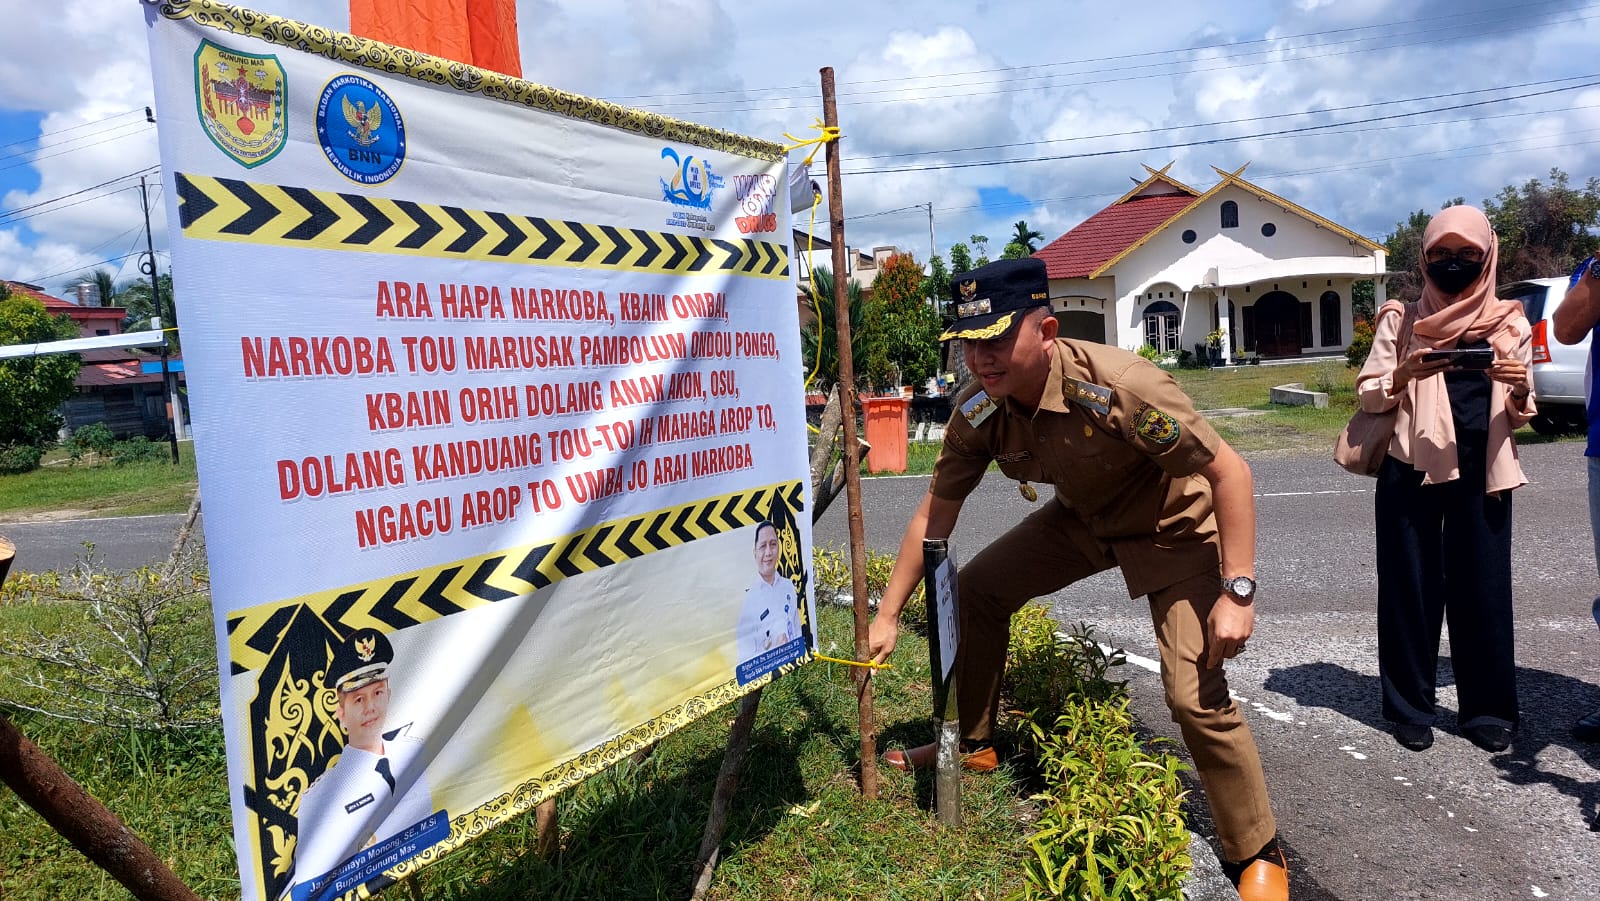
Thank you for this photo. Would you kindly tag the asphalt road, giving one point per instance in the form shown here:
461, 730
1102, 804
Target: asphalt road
1361, 817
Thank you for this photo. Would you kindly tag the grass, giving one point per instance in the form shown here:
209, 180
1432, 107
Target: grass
102, 489
798, 828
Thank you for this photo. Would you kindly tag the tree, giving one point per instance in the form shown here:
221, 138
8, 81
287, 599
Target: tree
1025, 236
136, 298
1015, 251
902, 342
1363, 298
1543, 229
105, 285
980, 243
32, 389
1404, 246
819, 342
960, 259
936, 287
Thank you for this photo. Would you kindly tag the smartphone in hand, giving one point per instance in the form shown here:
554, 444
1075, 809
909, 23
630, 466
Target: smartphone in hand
1476, 358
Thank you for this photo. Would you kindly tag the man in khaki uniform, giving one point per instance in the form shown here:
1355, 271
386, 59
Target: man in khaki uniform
1141, 481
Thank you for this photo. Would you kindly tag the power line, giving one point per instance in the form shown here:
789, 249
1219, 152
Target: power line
39, 280
764, 104
1221, 45
934, 167
33, 161
1239, 121
8, 214
62, 131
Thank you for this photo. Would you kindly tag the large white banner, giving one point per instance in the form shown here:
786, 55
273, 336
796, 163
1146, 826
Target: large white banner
498, 415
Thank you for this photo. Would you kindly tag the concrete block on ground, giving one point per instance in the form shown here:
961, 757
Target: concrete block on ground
1295, 395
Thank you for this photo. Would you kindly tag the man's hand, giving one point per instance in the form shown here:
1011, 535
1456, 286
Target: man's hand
1229, 625
882, 633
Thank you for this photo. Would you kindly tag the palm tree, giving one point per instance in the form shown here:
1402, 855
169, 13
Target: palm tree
106, 286
1026, 236
818, 338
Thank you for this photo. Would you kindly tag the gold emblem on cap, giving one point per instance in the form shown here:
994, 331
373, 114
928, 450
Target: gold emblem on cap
1088, 430
969, 289
1028, 492
366, 648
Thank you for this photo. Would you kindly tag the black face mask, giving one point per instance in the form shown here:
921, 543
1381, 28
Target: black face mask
1453, 276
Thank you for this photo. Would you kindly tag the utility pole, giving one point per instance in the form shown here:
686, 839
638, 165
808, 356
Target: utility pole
933, 248
147, 265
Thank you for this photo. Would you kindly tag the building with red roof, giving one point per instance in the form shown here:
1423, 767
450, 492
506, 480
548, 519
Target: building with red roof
1170, 266
120, 387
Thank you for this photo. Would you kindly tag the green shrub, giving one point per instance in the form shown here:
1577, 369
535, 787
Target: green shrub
1047, 670
1360, 345
832, 569
16, 459
137, 449
1149, 352
1111, 823
95, 437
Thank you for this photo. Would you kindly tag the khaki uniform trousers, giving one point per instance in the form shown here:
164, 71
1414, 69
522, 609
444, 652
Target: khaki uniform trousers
1051, 549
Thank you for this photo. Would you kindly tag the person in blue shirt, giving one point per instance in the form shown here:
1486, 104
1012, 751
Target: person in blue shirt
1579, 315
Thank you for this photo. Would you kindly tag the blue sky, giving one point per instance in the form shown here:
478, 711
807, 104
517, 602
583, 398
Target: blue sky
1088, 92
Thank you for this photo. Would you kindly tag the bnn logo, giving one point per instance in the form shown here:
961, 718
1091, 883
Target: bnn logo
755, 194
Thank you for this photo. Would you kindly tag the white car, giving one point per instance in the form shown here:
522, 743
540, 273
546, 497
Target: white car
1558, 369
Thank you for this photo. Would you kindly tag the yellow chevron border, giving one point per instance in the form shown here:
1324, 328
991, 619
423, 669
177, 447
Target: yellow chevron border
423, 595
236, 211
380, 57
525, 797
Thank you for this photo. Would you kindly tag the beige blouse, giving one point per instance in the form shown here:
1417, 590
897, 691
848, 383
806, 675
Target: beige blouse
1505, 413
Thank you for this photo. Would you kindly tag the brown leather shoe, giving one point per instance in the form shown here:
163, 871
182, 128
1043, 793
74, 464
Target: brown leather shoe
926, 757
1265, 879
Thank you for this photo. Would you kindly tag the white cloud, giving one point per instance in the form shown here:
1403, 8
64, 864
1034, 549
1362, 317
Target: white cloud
753, 68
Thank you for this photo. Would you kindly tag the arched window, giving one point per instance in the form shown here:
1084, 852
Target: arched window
1331, 333
1161, 326
1230, 214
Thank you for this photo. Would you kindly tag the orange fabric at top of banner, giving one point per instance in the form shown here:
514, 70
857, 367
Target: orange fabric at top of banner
481, 33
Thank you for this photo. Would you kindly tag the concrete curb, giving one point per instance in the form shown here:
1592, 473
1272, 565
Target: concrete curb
1206, 882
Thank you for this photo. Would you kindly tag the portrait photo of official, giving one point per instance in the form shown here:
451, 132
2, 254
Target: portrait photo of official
376, 787
770, 615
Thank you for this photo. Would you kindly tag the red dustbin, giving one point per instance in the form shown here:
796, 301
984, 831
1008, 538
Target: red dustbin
888, 423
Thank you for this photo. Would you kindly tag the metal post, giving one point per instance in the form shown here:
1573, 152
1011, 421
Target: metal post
147, 265
947, 722
852, 450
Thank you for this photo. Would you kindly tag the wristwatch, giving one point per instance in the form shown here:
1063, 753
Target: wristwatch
1241, 587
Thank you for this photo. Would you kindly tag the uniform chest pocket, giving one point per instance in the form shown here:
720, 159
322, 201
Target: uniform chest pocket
1021, 469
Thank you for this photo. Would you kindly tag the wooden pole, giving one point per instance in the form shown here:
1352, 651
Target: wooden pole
547, 828
852, 451
97, 832
722, 797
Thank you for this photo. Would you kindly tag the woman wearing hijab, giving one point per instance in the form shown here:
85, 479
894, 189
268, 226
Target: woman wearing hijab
1444, 493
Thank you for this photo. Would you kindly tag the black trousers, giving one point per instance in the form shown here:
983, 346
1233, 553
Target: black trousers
1444, 551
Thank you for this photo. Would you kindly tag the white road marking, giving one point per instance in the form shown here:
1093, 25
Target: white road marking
1539, 892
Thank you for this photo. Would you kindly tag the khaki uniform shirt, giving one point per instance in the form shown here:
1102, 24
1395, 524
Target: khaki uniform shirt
1122, 445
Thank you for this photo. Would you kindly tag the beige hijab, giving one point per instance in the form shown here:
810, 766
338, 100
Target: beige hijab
1443, 322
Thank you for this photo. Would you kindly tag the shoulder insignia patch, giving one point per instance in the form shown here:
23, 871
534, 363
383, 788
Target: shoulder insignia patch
978, 408
1155, 426
1088, 394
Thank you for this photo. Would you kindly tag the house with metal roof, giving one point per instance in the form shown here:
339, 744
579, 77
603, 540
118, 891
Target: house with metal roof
1167, 265
118, 384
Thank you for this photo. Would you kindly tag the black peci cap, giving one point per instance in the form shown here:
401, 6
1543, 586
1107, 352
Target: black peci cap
989, 300
361, 659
